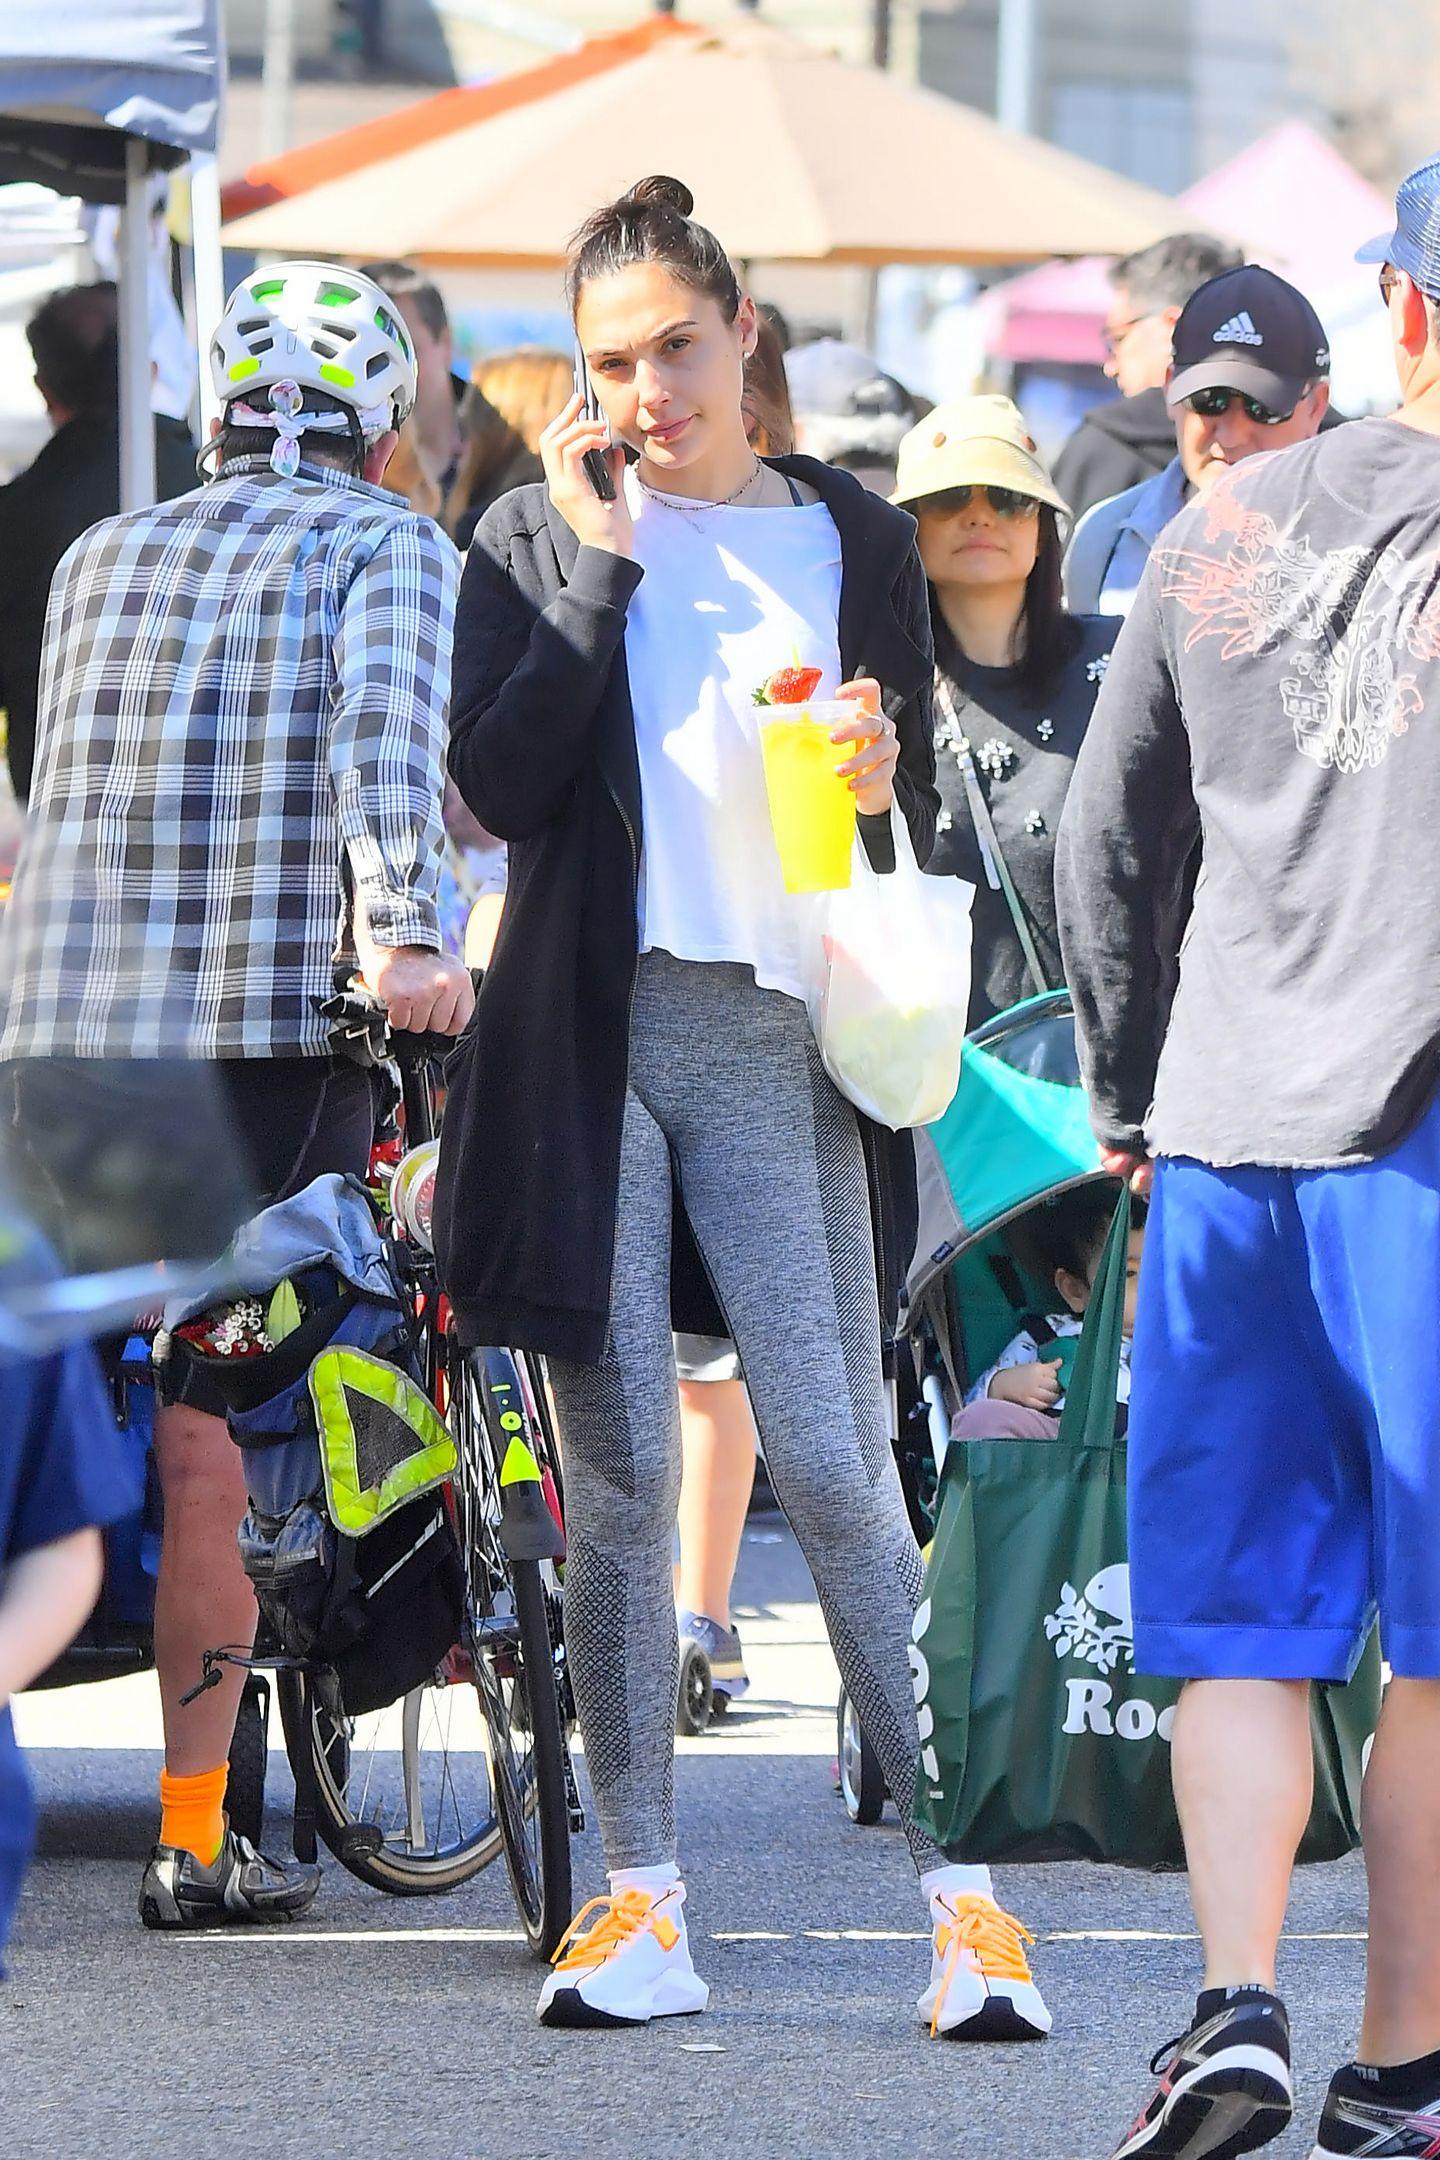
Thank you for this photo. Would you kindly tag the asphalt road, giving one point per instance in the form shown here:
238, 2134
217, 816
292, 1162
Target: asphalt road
405, 2028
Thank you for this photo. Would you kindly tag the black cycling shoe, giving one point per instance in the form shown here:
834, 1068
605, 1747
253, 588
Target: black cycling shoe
1355, 2121
1224, 2088
178, 1891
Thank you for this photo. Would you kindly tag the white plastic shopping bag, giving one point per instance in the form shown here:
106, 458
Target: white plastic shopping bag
888, 985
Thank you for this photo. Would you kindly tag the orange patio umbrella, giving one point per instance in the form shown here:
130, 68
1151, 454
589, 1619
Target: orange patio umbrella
792, 155
431, 119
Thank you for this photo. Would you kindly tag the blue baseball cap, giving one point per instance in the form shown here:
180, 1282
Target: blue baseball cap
1414, 245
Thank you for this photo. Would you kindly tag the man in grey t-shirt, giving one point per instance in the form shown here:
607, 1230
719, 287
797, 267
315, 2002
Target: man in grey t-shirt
1248, 879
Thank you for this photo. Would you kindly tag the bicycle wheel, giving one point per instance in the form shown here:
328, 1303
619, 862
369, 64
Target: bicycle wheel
249, 1751
508, 1498
403, 1796
418, 1798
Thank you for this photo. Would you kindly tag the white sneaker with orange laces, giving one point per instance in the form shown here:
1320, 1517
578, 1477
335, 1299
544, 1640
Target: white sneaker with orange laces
631, 1964
980, 1983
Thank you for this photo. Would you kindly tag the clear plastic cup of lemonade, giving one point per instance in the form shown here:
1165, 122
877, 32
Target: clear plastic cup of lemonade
812, 810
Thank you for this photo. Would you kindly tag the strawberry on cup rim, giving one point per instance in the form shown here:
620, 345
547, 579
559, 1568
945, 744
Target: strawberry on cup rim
789, 686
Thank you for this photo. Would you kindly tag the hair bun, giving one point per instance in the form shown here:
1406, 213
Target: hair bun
658, 192
652, 223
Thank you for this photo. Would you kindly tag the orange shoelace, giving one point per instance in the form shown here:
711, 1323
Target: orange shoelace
991, 1939
622, 1918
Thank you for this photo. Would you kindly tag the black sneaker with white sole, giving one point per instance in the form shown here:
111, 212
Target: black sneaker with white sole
240, 1885
1224, 2088
1358, 2123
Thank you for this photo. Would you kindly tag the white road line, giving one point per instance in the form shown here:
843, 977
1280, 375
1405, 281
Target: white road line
287, 1937
264, 1938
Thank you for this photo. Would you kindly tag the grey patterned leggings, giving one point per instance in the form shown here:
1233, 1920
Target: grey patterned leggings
725, 1081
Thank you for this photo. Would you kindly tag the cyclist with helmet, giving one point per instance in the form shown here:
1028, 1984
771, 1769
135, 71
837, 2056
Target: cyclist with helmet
239, 774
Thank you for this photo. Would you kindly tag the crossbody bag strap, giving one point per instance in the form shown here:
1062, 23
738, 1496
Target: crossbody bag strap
992, 855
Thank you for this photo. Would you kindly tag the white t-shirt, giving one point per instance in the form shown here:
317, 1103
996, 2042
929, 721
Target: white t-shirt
728, 597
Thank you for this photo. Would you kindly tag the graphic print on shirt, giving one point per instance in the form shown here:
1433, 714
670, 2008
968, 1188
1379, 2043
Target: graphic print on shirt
1356, 615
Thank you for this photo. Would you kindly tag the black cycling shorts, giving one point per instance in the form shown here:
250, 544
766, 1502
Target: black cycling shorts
297, 1119
122, 1161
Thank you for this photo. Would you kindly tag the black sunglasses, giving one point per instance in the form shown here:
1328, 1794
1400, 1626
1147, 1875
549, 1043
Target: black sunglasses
1209, 404
1005, 502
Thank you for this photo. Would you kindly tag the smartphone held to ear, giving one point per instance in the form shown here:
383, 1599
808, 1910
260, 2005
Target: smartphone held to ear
596, 462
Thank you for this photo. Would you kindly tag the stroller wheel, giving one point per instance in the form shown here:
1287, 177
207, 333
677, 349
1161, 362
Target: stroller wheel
249, 1749
695, 1702
862, 1787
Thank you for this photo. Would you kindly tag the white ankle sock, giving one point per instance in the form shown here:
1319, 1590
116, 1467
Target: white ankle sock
953, 1882
654, 1881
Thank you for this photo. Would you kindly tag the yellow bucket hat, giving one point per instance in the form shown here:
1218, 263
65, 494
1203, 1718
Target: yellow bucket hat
973, 442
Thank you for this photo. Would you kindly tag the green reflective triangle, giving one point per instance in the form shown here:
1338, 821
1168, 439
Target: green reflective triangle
519, 1466
337, 1375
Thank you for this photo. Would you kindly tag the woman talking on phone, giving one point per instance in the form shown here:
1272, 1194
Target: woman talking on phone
641, 1067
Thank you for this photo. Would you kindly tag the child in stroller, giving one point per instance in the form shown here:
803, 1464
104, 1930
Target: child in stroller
1021, 1395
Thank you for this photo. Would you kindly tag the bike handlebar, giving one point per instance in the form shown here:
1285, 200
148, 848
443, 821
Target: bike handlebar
360, 1030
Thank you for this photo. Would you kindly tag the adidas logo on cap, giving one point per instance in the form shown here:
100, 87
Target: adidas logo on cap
1240, 330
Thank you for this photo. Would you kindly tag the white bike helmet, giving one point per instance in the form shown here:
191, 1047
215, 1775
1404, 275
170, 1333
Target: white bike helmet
314, 326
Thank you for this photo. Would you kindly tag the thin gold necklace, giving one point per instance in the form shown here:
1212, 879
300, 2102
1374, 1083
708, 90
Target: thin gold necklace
697, 506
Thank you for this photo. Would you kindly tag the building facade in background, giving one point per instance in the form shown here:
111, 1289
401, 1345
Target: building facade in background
1161, 93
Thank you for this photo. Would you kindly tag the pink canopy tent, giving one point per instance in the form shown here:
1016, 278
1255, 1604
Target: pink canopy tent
1290, 198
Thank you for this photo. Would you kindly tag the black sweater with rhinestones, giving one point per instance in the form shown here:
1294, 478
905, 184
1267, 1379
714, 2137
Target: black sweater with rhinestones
1024, 743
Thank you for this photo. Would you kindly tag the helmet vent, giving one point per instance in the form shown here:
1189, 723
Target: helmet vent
392, 328
334, 295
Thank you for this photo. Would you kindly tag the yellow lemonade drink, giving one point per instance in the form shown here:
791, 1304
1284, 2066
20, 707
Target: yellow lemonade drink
812, 810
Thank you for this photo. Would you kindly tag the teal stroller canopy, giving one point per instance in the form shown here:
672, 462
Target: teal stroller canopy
1017, 1132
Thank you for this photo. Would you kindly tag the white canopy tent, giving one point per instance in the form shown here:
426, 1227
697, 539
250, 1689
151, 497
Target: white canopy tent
77, 117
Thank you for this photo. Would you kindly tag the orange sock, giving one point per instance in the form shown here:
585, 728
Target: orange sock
192, 1812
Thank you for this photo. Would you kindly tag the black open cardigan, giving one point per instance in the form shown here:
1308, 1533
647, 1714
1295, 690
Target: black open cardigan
543, 750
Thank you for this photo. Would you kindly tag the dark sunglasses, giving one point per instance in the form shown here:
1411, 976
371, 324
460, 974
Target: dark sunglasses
1005, 502
1209, 404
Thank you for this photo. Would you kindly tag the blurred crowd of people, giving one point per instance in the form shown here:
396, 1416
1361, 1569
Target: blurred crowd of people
475, 432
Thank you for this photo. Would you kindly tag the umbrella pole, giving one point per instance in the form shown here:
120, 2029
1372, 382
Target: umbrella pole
871, 310
208, 274
137, 428
1015, 66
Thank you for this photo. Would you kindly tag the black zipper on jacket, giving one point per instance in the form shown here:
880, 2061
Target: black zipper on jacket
614, 794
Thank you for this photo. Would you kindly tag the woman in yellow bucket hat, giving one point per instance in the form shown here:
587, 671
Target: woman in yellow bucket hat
1015, 678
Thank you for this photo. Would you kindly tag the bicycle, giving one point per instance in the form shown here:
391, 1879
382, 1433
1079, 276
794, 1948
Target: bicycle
420, 1797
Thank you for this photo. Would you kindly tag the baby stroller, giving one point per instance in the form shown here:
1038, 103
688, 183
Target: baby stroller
1040, 1739
1016, 1136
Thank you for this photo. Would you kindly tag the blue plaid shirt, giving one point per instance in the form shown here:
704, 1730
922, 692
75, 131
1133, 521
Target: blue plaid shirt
243, 703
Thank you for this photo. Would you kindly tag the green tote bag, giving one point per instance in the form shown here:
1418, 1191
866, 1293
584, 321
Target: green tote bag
1038, 1740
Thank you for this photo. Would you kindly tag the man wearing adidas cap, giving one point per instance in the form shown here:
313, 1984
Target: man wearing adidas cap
239, 775
1269, 1035
1248, 373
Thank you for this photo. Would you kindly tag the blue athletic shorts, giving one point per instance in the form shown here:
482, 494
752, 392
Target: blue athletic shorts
1284, 1439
